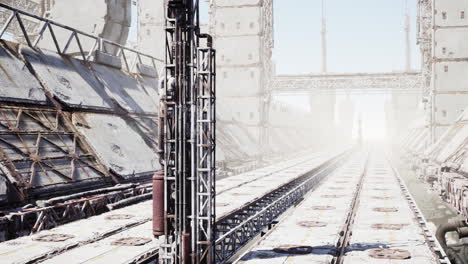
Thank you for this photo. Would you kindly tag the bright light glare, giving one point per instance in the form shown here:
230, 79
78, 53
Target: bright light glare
374, 122
374, 131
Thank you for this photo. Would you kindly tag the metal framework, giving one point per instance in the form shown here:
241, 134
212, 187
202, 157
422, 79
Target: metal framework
61, 210
42, 153
235, 230
406, 82
21, 25
189, 159
40, 148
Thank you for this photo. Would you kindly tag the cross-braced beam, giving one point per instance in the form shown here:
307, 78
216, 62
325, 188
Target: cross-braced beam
404, 82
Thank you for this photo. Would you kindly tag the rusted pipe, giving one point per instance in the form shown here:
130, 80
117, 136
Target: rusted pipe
462, 232
442, 230
129, 201
158, 203
186, 259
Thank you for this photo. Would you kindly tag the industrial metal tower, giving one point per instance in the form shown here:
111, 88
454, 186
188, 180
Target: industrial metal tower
324, 39
189, 138
407, 39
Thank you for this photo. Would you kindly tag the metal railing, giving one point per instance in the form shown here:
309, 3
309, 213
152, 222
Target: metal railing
235, 230
129, 56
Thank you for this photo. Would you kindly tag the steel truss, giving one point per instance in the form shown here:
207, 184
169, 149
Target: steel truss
61, 210
40, 148
235, 230
189, 138
22, 25
410, 82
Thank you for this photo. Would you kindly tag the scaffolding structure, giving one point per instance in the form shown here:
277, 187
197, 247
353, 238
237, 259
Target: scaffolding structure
190, 139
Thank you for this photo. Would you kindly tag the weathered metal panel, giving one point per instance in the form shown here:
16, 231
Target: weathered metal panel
250, 46
150, 86
120, 147
69, 80
16, 81
29, 249
40, 148
245, 81
451, 77
238, 3
127, 92
109, 250
232, 24
450, 107
451, 43
449, 13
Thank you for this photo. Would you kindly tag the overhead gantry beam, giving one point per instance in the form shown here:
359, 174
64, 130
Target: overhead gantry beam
402, 82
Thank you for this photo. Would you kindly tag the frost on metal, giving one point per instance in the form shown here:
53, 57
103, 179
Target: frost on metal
68, 79
18, 84
118, 145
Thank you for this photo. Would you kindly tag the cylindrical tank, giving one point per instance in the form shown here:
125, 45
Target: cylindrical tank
158, 203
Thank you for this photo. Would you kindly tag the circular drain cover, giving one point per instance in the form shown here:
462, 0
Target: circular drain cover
311, 224
53, 238
381, 189
389, 226
385, 209
389, 253
293, 249
333, 195
131, 241
119, 217
382, 197
239, 194
322, 207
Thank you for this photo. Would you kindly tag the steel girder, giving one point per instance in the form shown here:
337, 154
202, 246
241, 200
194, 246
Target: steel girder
410, 82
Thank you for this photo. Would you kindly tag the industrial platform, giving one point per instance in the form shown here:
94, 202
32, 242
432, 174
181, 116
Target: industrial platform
96, 239
361, 214
163, 131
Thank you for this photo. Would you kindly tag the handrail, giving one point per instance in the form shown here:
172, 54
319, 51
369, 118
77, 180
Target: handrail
75, 35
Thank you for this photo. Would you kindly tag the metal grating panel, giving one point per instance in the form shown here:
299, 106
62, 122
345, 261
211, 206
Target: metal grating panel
40, 148
110, 136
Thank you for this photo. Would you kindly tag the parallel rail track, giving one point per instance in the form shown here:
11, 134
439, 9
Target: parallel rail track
139, 224
370, 217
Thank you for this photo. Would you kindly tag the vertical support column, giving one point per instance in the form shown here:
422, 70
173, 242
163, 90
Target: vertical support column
322, 105
204, 227
189, 138
407, 39
324, 39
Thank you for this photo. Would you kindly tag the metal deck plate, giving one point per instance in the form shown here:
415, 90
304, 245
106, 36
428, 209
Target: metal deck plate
126, 90
110, 137
16, 81
69, 80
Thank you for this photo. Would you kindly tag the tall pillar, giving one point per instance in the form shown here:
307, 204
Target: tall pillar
449, 85
322, 106
324, 39
151, 33
407, 39
243, 37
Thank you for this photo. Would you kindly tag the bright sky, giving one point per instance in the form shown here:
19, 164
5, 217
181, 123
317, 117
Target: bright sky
363, 35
